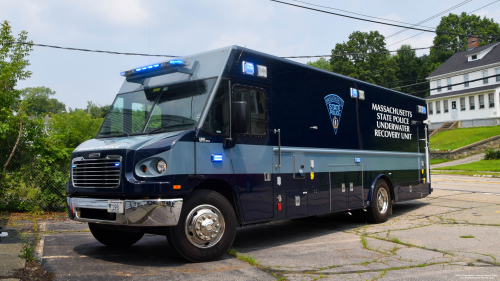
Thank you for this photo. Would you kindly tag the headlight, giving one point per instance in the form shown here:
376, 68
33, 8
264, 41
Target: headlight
161, 166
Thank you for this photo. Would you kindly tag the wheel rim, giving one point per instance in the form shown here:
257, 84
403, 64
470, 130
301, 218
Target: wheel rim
204, 226
382, 200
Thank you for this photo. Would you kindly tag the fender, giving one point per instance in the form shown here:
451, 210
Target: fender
372, 187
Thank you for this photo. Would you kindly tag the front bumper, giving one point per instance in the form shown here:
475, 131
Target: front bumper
149, 212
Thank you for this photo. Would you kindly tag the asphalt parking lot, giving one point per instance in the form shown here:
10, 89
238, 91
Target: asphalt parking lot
451, 235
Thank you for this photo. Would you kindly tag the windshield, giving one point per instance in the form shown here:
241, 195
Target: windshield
172, 107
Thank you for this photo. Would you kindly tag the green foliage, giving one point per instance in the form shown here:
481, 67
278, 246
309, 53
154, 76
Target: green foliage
462, 24
27, 249
37, 101
411, 70
438, 161
492, 154
12, 69
97, 110
467, 236
453, 139
370, 66
68, 130
321, 63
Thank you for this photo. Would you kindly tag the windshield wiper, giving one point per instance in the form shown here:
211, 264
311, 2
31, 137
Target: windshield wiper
114, 132
165, 127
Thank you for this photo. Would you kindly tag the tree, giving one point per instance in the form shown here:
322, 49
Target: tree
13, 63
411, 70
38, 101
68, 130
321, 63
486, 29
373, 64
97, 110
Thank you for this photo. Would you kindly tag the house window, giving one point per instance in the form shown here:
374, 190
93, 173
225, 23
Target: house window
474, 57
481, 101
462, 104
445, 105
429, 105
498, 73
485, 74
466, 80
439, 85
448, 81
438, 107
491, 100
471, 103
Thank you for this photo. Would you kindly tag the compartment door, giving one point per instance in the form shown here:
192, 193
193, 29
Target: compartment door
338, 189
354, 184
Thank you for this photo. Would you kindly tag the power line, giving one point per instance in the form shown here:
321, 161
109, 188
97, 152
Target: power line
83, 50
436, 27
373, 21
383, 52
406, 86
451, 85
357, 13
433, 17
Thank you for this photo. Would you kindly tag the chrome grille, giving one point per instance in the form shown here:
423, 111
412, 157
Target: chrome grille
96, 173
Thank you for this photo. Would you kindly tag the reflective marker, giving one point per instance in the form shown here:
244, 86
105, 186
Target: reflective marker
177, 187
216, 157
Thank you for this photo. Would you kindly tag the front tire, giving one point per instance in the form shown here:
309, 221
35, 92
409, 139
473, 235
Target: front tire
113, 238
381, 203
206, 228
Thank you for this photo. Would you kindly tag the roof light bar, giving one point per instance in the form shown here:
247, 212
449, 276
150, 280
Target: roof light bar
152, 67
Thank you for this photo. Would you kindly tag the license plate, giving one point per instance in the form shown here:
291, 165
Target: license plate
115, 206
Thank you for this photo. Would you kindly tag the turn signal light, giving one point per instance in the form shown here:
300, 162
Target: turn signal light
177, 187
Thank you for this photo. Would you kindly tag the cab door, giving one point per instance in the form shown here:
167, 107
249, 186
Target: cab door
251, 157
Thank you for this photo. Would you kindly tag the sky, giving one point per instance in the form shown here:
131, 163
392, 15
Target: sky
188, 27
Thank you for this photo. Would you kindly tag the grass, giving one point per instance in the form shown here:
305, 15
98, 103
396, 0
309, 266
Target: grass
438, 161
454, 139
27, 249
246, 258
467, 236
483, 165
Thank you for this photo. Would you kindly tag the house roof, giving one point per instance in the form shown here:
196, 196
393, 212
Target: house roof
465, 91
459, 62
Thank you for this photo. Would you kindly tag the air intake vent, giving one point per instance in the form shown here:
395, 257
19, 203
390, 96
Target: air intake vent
96, 173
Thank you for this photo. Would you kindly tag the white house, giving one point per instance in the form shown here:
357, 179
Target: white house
475, 103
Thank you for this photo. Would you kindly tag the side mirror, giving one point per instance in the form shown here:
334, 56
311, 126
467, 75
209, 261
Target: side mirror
240, 116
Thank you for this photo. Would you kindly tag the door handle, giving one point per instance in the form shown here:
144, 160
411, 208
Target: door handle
278, 131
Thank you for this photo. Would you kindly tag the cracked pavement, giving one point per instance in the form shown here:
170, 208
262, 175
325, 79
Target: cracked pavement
450, 235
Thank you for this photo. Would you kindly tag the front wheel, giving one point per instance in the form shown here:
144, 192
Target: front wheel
113, 238
381, 203
206, 228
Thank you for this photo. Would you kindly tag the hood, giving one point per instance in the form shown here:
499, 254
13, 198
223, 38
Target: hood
126, 143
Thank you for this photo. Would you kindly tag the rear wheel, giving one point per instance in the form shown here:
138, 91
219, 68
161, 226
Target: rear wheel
206, 228
381, 203
113, 238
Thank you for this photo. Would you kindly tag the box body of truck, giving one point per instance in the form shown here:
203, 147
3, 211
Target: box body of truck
274, 138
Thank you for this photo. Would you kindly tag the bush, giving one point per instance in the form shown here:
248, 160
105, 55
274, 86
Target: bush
492, 155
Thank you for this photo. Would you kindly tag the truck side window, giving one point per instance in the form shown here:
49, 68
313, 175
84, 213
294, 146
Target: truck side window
256, 100
217, 121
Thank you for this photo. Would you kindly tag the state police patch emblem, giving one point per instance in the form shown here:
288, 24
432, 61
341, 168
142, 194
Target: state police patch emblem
334, 104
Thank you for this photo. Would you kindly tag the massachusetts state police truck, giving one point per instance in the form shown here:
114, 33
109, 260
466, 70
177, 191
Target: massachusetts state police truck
196, 146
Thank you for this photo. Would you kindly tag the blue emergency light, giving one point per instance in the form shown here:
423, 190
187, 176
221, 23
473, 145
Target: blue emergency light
216, 157
117, 164
424, 110
248, 68
357, 160
74, 166
147, 68
354, 93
